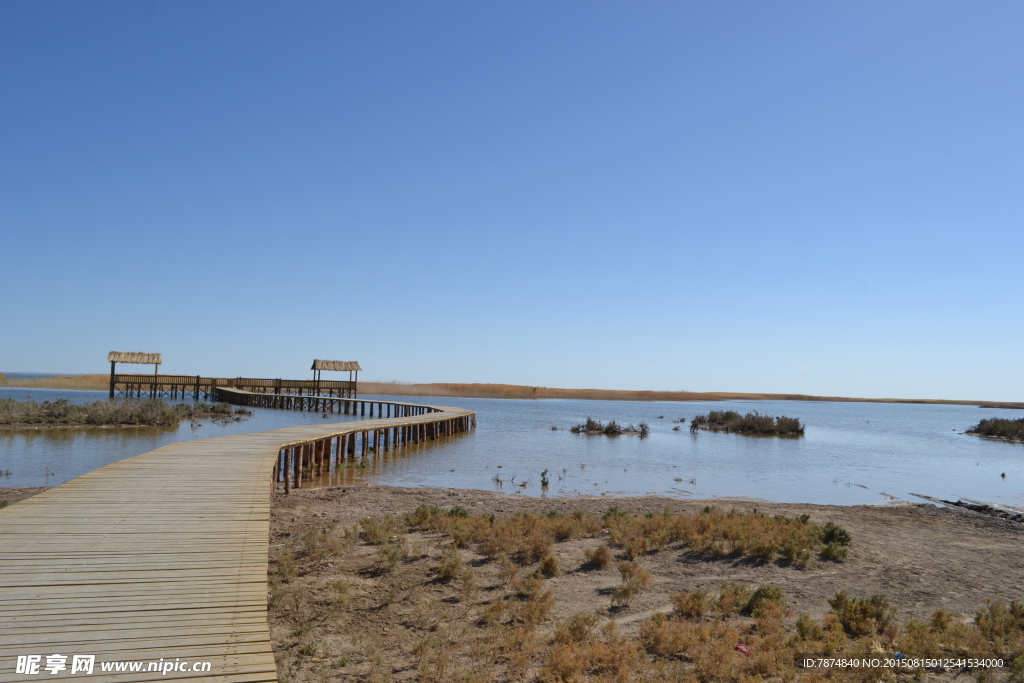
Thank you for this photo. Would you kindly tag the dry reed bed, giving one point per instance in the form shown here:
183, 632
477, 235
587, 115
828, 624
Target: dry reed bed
469, 598
77, 382
125, 412
451, 389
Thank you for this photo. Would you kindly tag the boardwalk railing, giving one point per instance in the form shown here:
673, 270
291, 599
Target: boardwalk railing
197, 386
402, 423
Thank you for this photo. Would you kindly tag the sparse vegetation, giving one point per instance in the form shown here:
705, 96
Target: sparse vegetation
1000, 428
148, 412
529, 537
500, 625
751, 424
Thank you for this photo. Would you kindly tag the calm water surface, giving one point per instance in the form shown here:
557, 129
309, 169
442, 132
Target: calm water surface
852, 452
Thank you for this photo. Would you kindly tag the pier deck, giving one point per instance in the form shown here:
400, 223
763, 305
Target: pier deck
163, 555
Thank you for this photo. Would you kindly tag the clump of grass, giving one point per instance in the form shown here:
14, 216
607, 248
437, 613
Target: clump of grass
320, 542
691, 605
862, 616
576, 628
624, 594
4, 503
1000, 428
549, 566
391, 555
635, 580
633, 572
450, 565
733, 598
597, 558
148, 412
380, 531
342, 592
752, 423
764, 599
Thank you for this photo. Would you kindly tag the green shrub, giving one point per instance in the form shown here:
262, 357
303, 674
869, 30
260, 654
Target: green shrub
833, 533
763, 599
391, 554
834, 552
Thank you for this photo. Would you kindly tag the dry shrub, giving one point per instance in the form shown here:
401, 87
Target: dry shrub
391, 554
450, 565
549, 566
764, 600
624, 594
508, 571
534, 609
733, 597
469, 584
633, 572
716, 533
319, 543
612, 658
862, 616
576, 628
676, 638
691, 605
380, 531
597, 558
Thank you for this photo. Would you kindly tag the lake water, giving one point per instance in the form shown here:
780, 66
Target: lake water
852, 453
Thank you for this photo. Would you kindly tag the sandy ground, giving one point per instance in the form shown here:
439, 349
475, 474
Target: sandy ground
920, 556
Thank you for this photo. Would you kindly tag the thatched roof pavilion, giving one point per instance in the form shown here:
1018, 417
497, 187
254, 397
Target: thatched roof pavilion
336, 365
132, 357
349, 366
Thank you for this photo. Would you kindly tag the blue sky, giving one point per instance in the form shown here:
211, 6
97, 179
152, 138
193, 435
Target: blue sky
806, 197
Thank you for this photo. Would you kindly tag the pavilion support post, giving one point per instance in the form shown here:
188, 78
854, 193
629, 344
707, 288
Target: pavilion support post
112, 364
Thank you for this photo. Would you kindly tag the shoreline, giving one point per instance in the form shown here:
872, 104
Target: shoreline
518, 391
33, 426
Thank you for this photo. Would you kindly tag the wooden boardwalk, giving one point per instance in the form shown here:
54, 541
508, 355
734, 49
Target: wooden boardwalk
163, 555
